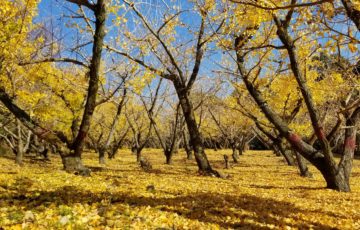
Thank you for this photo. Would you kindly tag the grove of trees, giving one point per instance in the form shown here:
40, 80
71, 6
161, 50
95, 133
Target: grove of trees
100, 75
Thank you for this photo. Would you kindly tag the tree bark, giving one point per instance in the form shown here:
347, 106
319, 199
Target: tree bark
102, 156
74, 164
169, 155
235, 153
138, 155
196, 139
94, 72
335, 177
112, 129
286, 154
227, 163
351, 12
19, 146
304, 170
189, 154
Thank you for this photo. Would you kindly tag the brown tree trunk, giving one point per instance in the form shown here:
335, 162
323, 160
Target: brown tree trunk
136, 150
352, 12
117, 145
94, 73
169, 154
138, 155
74, 164
227, 163
189, 154
102, 156
357, 148
286, 154
196, 139
235, 154
112, 130
19, 146
304, 170
323, 161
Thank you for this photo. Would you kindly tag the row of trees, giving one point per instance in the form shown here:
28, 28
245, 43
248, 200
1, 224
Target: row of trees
199, 74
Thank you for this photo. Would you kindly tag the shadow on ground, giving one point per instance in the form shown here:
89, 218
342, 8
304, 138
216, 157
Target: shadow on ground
205, 207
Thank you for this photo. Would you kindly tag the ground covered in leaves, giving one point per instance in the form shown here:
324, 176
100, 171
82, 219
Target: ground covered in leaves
260, 193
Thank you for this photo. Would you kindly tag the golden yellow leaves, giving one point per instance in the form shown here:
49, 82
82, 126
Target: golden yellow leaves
139, 82
357, 4
352, 48
262, 193
15, 22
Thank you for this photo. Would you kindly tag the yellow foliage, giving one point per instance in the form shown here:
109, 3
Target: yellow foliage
261, 193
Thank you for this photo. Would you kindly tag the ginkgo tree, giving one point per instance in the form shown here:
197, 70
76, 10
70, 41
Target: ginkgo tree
289, 30
69, 150
162, 50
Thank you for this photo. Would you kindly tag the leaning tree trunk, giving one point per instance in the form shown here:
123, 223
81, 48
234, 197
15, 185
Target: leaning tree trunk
196, 139
304, 170
106, 147
337, 178
277, 151
288, 156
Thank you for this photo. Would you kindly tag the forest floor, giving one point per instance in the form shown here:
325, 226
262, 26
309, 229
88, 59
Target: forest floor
262, 192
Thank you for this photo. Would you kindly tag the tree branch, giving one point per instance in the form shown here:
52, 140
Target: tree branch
291, 6
69, 60
83, 3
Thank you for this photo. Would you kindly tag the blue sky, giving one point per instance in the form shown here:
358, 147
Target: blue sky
56, 12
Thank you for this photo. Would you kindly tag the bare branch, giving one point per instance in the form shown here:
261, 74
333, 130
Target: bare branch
198, 55
142, 63
69, 60
152, 31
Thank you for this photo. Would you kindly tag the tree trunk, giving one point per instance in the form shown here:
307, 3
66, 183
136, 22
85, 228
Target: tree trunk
357, 148
102, 156
336, 181
352, 12
74, 164
19, 146
196, 139
286, 154
235, 154
94, 73
28, 142
169, 154
227, 163
138, 155
112, 132
136, 151
177, 144
117, 144
304, 170
241, 150
189, 154
246, 146
277, 151
337, 178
